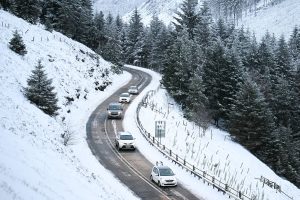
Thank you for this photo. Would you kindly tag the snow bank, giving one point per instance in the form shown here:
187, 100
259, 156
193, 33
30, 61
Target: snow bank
34, 163
210, 150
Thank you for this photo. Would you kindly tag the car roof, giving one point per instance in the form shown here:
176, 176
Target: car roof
125, 93
162, 167
124, 133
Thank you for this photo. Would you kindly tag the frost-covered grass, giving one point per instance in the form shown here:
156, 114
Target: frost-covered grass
34, 162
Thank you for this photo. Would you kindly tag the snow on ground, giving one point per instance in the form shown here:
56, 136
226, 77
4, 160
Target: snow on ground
34, 163
116, 7
233, 164
279, 19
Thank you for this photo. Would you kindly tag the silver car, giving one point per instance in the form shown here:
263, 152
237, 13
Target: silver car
114, 110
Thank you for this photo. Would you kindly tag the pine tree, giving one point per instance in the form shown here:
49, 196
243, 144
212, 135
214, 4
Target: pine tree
203, 29
6, 4
294, 48
224, 32
50, 13
250, 60
251, 121
99, 22
135, 39
283, 60
29, 10
178, 69
40, 92
197, 102
17, 45
221, 78
188, 17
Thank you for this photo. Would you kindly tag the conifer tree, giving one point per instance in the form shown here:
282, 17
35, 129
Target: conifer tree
203, 29
283, 60
50, 12
178, 71
294, 48
40, 91
17, 45
221, 78
188, 17
251, 121
135, 39
5, 4
30, 10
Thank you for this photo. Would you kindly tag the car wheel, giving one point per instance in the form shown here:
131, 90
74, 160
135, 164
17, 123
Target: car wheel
158, 183
151, 178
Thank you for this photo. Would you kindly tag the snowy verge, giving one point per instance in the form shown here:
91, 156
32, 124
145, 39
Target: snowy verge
34, 163
211, 151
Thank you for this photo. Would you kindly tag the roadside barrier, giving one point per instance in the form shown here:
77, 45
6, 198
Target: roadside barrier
197, 173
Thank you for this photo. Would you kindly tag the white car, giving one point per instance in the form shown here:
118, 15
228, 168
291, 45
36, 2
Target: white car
124, 97
133, 90
163, 175
125, 140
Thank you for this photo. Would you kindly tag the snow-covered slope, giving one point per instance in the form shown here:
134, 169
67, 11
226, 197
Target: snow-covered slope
34, 163
279, 19
209, 150
116, 7
164, 10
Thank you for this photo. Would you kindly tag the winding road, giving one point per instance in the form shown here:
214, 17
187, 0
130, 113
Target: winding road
130, 167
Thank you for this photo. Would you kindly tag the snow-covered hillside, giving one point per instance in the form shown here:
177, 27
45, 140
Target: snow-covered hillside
210, 150
116, 7
164, 10
34, 163
278, 20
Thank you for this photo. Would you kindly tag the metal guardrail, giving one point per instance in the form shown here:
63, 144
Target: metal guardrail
200, 174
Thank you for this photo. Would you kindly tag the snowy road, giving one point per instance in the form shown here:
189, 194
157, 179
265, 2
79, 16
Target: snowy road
131, 167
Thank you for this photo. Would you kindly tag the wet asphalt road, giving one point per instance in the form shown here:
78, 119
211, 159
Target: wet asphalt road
130, 167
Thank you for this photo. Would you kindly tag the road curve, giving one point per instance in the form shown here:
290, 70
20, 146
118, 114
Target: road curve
131, 167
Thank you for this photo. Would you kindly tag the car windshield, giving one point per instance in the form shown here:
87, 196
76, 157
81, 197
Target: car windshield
125, 95
166, 172
114, 107
133, 87
126, 137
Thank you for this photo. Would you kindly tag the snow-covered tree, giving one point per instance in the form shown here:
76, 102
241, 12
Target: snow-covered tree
135, 39
17, 45
178, 68
221, 78
39, 91
203, 29
158, 43
294, 47
188, 17
251, 121
29, 10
